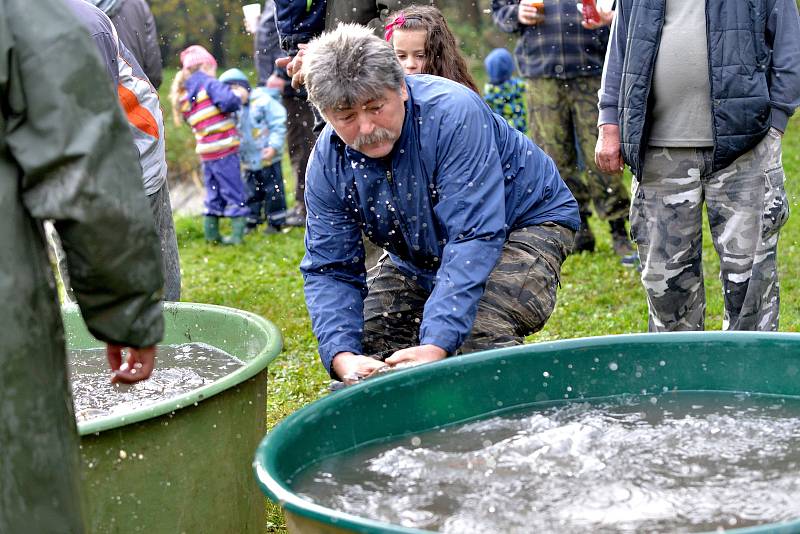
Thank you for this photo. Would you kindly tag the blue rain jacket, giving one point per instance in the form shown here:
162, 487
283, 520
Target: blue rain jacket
261, 123
458, 181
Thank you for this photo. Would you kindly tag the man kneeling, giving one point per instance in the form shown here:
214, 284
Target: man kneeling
475, 218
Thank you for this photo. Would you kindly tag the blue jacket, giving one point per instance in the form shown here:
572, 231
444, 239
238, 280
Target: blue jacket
261, 123
754, 69
299, 21
442, 204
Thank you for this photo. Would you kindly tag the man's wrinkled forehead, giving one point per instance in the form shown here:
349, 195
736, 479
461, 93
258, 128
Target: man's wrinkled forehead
362, 104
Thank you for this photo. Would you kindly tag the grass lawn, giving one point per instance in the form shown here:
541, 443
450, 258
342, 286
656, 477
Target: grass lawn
598, 296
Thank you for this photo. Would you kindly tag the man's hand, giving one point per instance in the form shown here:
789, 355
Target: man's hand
268, 153
138, 365
528, 15
350, 368
606, 18
417, 355
294, 66
607, 153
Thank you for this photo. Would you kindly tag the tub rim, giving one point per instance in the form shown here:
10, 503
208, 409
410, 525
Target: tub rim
251, 368
266, 460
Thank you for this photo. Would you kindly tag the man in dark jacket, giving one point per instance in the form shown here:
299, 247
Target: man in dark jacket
695, 98
474, 217
65, 150
136, 28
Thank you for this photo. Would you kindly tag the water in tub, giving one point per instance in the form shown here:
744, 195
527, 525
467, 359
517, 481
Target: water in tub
179, 369
677, 462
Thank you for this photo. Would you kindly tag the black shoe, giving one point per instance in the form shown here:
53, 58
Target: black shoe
584, 238
272, 229
619, 238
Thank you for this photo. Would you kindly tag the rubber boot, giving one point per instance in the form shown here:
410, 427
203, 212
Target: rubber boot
211, 229
584, 238
619, 238
237, 234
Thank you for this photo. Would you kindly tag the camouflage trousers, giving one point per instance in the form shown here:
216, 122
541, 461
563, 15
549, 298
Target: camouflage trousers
563, 119
519, 297
746, 204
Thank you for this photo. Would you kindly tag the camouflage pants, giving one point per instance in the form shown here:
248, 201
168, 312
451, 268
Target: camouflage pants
519, 297
746, 204
561, 112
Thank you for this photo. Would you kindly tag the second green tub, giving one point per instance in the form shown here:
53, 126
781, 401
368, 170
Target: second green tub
183, 464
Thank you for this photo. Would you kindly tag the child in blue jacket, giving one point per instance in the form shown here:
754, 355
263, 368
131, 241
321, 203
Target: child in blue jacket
504, 93
262, 129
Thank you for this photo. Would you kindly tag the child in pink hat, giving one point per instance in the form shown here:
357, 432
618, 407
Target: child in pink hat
207, 105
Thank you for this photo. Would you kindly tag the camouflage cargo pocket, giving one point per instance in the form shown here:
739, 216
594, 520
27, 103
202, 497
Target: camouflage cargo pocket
776, 205
638, 215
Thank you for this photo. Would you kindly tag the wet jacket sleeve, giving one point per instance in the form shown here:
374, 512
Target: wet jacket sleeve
370, 13
222, 96
471, 206
333, 266
505, 15
612, 70
80, 168
783, 38
299, 21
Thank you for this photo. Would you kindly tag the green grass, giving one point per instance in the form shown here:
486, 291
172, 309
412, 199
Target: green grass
598, 296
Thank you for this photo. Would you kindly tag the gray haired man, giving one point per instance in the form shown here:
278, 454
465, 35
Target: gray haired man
695, 98
475, 218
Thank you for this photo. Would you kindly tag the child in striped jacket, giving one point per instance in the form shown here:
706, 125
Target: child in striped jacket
207, 105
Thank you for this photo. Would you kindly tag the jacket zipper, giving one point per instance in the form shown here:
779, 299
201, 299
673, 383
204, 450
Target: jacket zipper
642, 146
711, 88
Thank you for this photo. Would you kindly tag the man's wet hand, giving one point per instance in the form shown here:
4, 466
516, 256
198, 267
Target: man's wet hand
417, 355
352, 368
138, 365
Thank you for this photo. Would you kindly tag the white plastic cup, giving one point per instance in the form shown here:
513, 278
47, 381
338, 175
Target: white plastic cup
252, 12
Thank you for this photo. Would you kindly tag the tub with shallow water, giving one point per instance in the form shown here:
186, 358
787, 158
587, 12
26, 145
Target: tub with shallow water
690, 432
174, 453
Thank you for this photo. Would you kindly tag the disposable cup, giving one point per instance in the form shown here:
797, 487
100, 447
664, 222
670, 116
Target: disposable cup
251, 11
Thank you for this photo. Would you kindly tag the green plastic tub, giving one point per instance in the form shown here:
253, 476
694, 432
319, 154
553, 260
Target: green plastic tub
183, 464
486, 384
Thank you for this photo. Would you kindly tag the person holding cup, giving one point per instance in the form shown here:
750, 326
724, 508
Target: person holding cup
561, 58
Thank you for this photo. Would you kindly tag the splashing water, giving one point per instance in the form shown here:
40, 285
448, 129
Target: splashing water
179, 369
688, 462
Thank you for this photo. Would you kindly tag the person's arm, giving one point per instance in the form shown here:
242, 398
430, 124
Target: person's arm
472, 208
783, 37
223, 96
505, 14
333, 266
608, 154
80, 168
152, 50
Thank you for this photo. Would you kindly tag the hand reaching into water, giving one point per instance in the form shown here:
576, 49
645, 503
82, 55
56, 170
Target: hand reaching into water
138, 365
417, 355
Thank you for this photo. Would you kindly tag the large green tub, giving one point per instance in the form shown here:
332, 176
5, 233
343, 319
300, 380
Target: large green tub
183, 464
493, 382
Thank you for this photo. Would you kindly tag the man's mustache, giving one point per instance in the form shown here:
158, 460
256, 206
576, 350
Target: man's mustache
378, 136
